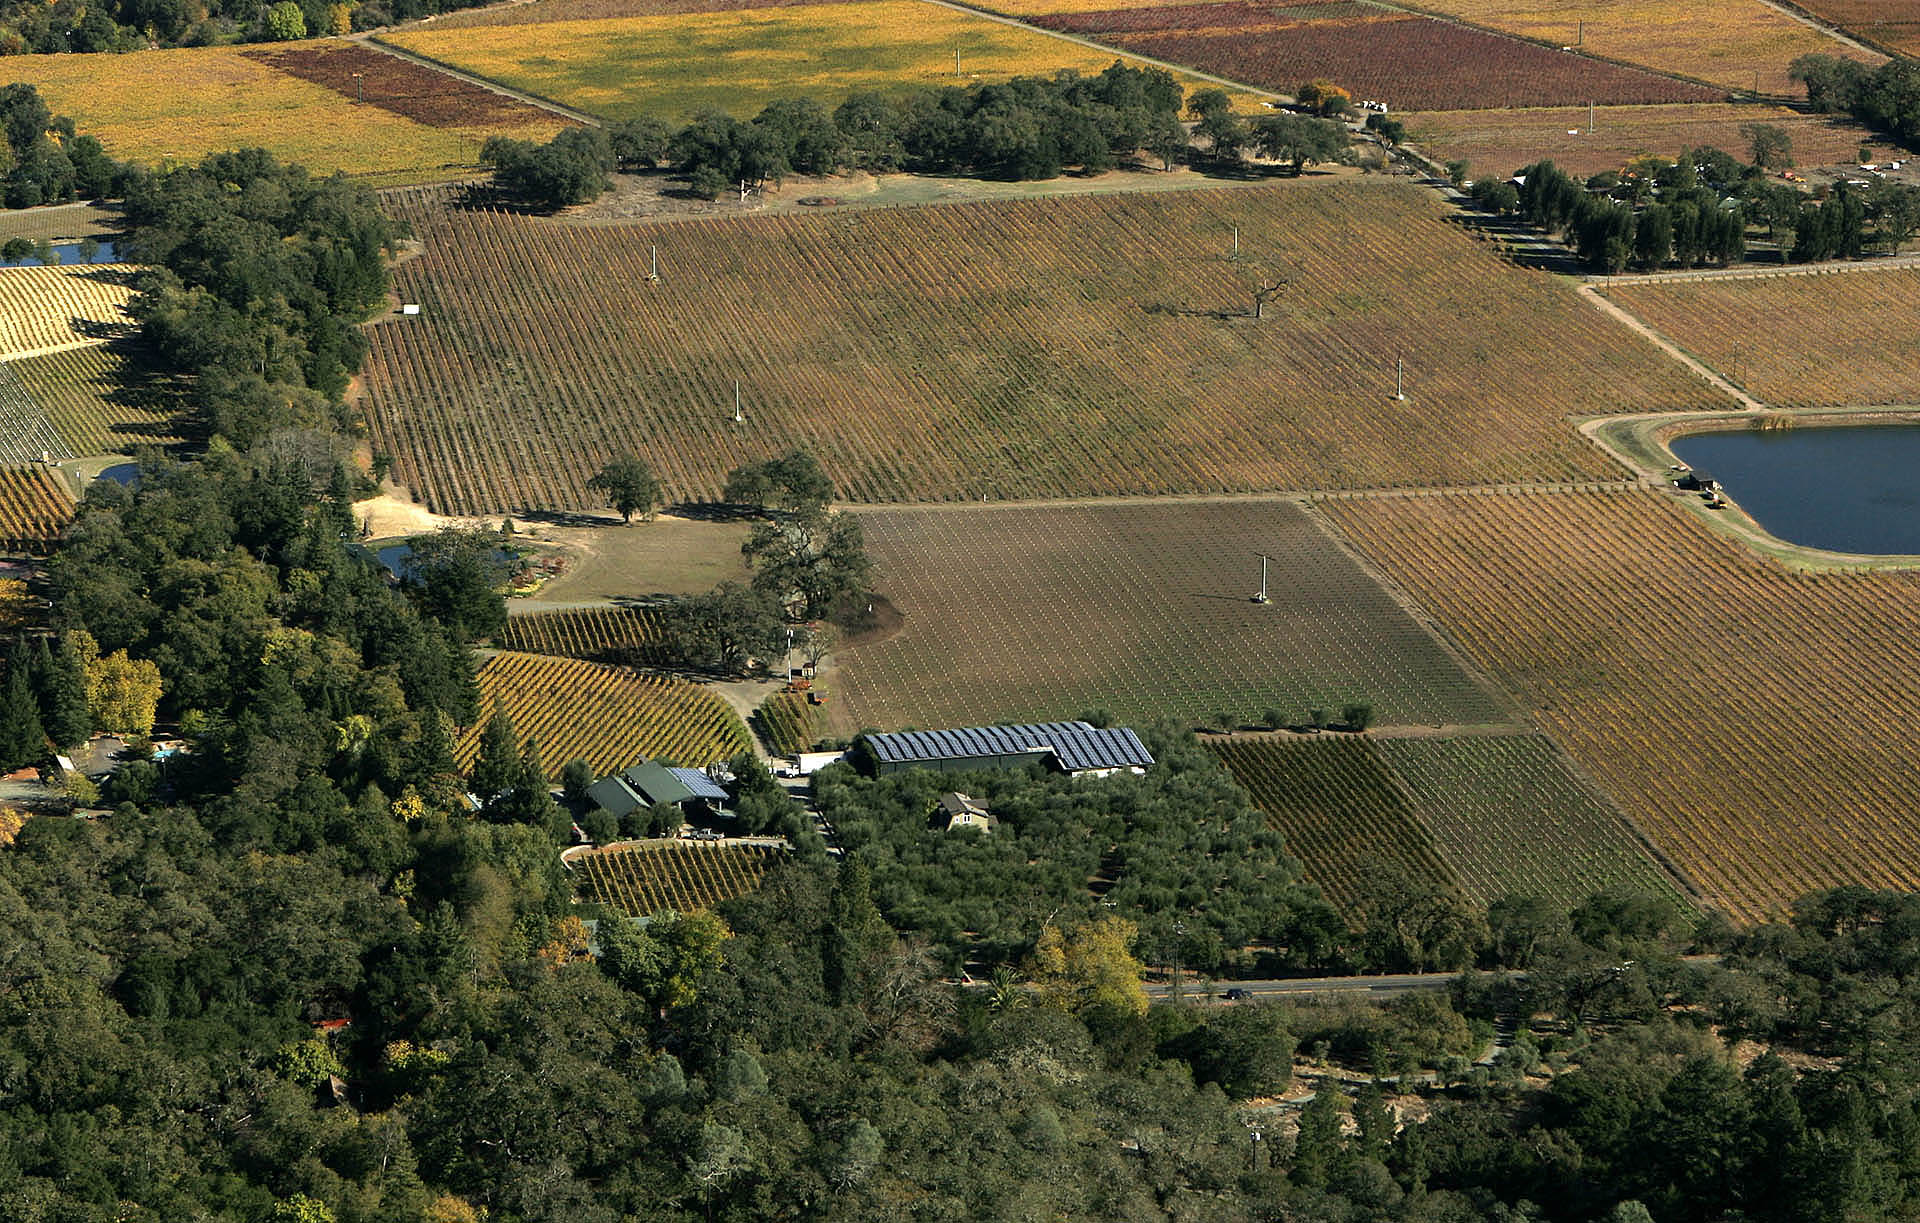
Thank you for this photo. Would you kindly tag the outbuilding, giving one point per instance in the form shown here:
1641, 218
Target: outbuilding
1075, 748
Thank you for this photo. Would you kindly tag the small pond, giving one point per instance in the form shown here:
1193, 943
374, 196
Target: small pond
122, 473
66, 253
398, 558
1852, 488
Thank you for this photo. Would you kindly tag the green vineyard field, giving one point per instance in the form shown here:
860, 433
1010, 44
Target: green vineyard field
1509, 817
787, 723
1755, 723
1339, 806
1494, 815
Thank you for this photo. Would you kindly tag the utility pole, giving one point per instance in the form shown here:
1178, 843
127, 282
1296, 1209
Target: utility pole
1400, 379
956, 61
1236, 242
1262, 597
739, 416
1589, 118
653, 273
1580, 34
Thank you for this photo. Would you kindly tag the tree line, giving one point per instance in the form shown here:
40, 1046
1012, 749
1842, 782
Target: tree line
45, 160
31, 28
1027, 128
1698, 208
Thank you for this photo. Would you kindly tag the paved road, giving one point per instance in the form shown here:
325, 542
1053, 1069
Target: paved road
1372, 987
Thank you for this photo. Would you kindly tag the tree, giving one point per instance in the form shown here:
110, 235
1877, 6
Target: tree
285, 22
809, 564
1769, 146
22, 742
1358, 715
572, 168
1089, 966
1317, 1149
1225, 132
792, 484
1392, 132
1299, 140
1323, 97
63, 695
629, 486
496, 766
639, 143
726, 628
457, 575
1165, 137
123, 694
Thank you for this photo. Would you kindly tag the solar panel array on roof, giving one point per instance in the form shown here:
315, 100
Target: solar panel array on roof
697, 781
1076, 745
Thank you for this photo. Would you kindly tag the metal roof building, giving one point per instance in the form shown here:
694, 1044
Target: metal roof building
651, 782
1071, 747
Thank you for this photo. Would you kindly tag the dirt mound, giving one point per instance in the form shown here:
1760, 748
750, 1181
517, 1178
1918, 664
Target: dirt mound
864, 623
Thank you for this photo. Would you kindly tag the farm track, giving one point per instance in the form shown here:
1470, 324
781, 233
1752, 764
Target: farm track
1641, 327
372, 41
1182, 69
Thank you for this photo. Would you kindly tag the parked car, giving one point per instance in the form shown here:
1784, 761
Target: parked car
1236, 994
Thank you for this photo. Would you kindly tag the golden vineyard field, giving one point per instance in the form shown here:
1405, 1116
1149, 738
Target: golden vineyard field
43, 308
1756, 723
671, 876
102, 398
1084, 345
609, 717
1826, 339
34, 508
1731, 43
627, 635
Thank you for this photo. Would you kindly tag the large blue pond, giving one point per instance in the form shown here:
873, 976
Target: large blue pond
1845, 489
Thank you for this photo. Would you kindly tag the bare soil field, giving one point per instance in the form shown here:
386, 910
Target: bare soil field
1841, 338
1003, 351
1754, 722
1021, 613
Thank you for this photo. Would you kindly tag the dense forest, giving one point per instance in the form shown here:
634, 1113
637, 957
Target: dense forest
291, 977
